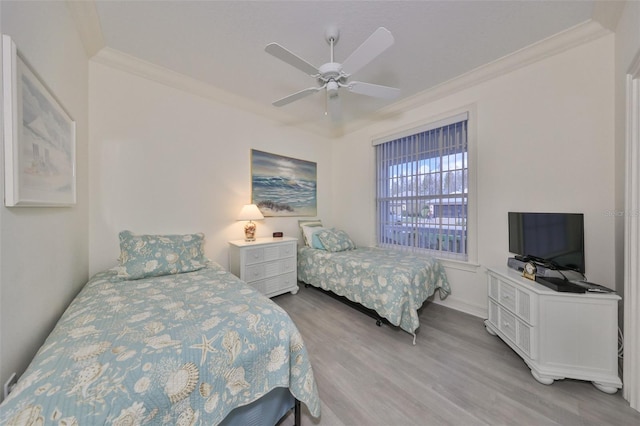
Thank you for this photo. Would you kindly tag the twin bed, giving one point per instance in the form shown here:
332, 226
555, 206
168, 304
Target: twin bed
183, 343
392, 283
168, 337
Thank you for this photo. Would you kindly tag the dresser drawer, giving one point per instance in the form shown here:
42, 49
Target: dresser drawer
269, 269
288, 250
507, 296
508, 324
276, 285
267, 254
254, 255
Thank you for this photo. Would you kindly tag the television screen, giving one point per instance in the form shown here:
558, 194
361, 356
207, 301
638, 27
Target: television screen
557, 238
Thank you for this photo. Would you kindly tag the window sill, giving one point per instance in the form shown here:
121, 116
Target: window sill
459, 265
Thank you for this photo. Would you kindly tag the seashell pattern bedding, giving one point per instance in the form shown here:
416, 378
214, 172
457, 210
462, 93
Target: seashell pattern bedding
394, 284
176, 349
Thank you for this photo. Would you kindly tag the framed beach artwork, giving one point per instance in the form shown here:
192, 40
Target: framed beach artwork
39, 138
283, 186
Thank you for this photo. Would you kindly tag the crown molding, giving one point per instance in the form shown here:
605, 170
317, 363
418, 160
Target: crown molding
558, 43
568, 39
85, 16
130, 64
608, 13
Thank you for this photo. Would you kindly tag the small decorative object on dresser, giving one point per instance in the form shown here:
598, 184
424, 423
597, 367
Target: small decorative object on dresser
268, 264
250, 212
557, 334
529, 271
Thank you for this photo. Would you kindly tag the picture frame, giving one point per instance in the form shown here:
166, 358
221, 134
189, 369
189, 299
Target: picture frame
39, 138
283, 186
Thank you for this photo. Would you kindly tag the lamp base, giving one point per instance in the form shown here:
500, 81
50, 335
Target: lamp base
250, 231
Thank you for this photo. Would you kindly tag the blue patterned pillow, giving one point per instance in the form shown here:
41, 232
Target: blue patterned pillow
315, 241
335, 240
144, 256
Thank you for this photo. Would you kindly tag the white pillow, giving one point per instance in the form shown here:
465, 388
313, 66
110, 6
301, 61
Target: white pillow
309, 230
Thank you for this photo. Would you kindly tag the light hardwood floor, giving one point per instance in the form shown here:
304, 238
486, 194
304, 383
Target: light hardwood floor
456, 374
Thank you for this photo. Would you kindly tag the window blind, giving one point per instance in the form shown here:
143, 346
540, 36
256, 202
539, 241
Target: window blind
422, 189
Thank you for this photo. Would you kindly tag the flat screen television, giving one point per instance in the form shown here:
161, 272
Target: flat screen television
554, 238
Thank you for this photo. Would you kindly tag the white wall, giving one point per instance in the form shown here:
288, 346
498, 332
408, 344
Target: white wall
44, 250
167, 161
545, 142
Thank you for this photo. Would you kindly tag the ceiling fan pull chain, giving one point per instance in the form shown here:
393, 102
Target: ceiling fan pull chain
326, 103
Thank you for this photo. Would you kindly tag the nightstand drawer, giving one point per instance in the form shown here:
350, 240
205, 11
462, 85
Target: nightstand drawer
288, 250
267, 254
269, 286
254, 255
269, 269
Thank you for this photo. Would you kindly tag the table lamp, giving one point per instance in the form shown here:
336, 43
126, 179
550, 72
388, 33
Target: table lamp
250, 212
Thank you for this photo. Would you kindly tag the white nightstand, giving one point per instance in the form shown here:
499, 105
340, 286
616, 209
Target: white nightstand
268, 264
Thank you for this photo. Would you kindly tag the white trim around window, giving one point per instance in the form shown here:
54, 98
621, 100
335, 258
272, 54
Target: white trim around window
467, 113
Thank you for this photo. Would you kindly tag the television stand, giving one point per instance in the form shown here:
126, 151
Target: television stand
558, 334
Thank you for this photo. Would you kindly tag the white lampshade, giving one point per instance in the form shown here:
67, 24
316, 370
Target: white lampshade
250, 212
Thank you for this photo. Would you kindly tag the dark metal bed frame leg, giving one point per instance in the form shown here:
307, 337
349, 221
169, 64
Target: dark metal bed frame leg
296, 414
373, 314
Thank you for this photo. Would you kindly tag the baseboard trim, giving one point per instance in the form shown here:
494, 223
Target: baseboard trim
476, 311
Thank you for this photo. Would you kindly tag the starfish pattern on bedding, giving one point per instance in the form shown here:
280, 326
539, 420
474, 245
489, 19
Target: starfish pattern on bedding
205, 347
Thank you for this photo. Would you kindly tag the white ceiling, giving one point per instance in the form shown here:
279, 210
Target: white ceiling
221, 43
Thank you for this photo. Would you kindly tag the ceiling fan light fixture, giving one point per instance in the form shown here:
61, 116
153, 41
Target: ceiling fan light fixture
332, 88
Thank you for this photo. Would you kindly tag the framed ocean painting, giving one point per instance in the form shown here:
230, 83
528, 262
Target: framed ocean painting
283, 186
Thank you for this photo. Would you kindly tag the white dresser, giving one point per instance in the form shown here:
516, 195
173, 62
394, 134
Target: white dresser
559, 335
268, 264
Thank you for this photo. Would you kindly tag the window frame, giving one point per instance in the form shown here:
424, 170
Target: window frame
467, 112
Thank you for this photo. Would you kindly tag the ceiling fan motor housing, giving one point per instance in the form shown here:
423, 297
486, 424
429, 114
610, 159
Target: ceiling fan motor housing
331, 71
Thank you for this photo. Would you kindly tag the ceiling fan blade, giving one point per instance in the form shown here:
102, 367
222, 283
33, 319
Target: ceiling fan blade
335, 108
378, 42
374, 90
296, 96
292, 59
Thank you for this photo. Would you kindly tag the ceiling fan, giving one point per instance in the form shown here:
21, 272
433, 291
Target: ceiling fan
333, 76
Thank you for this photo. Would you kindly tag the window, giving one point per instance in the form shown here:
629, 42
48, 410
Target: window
422, 185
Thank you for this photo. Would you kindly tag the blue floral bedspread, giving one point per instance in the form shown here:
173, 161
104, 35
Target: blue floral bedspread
179, 349
392, 283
